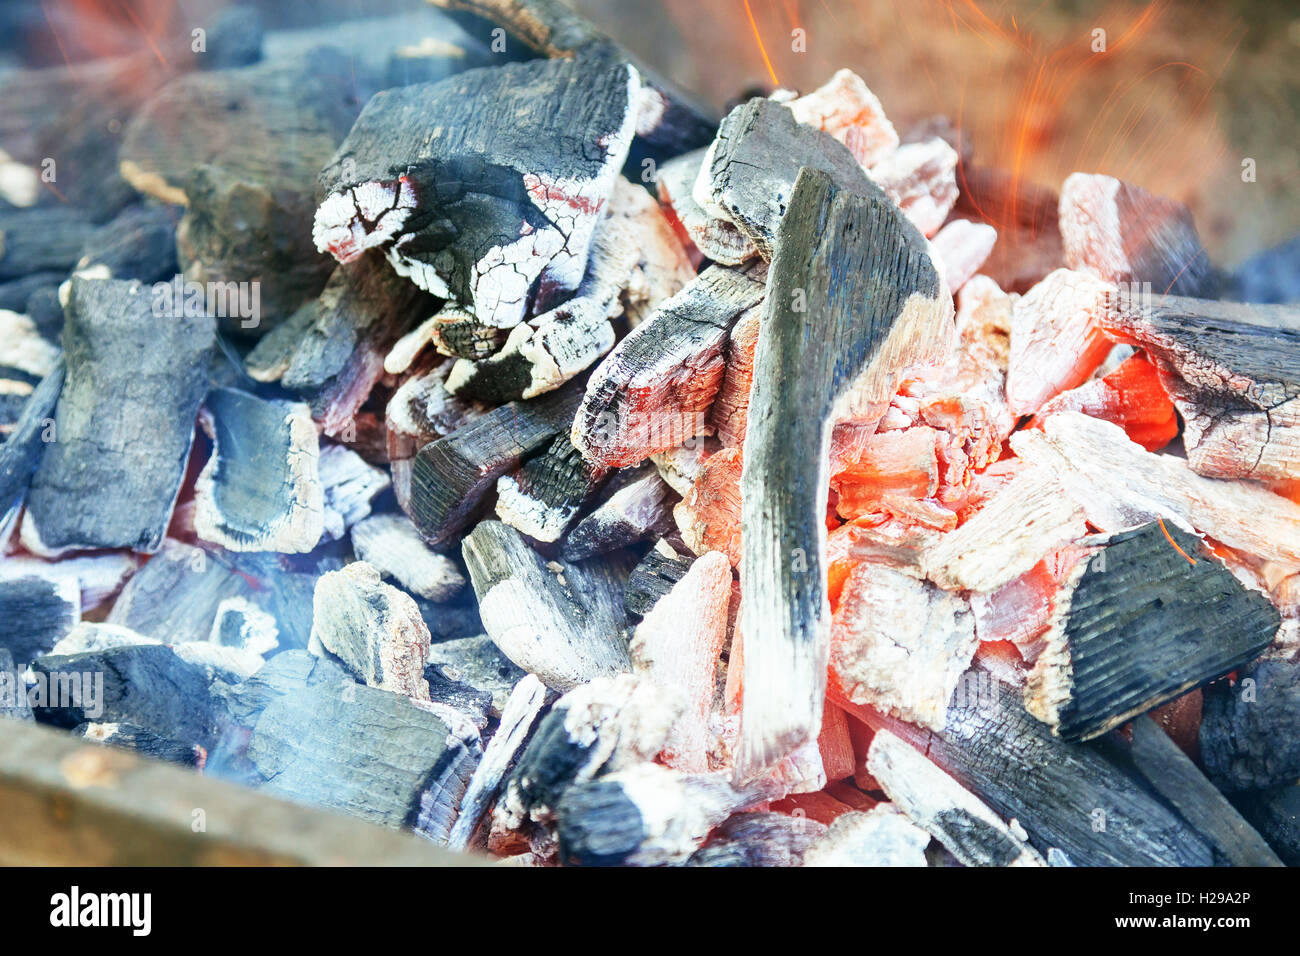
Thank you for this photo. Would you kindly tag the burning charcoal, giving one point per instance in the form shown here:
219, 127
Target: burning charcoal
639, 509
1127, 235
718, 239
646, 815
562, 622
448, 196
827, 265
349, 484
952, 814
32, 240
962, 246
142, 740
880, 837
748, 175
1231, 370
270, 501
654, 390
373, 628
451, 476
145, 685
1131, 396
1071, 796
1019, 526
139, 244
899, 644
677, 645
546, 494
35, 613
921, 178
474, 662
1246, 743
338, 355
13, 689
21, 451
1142, 622
709, 516
653, 578
111, 478
730, 412
422, 411
318, 745
517, 719
1172, 773
606, 725
176, 595
391, 545
668, 118
1275, 814
849, 111
1056, 338
1118, 484
212, 142
760, 839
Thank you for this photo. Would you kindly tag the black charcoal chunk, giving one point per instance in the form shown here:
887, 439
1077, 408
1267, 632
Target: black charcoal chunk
111, 477
140, 243
21, 451
1250, 728
35, 613
41, 239
652, 579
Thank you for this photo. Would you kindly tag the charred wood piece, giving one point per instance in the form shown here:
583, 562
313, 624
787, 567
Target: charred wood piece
35, 613
474, 662
272, 499
555, 620
21, 451
37, 240
451, 476
1140, 623
640, 508
112, 476
874, 314
546, 494
139, 244
882, 836
391, 544
495, 211
653, 392
719, 240
762, 839
653, 578
1245, 736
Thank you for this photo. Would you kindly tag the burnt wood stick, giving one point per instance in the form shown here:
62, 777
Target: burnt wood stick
549, 618
496, 209
111, 477
1172, 773
1072, 796
211, 141
517, 720
21, 451
748, 175
1247, 734
853, 298
674, 122
37, 240
390, 543
543, 497
639, 508
653, 578
451, 476
1139, 624
1127, 235
718, 239
653, 392
260, 490
952, 814
1233, 371
422, 411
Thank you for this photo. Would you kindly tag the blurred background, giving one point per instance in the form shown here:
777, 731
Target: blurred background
1174, 97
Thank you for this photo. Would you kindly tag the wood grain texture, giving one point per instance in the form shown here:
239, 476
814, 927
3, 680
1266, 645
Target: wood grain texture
853, 299
1138, 624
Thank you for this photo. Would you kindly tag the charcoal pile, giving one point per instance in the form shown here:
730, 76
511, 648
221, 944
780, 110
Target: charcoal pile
501, 448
